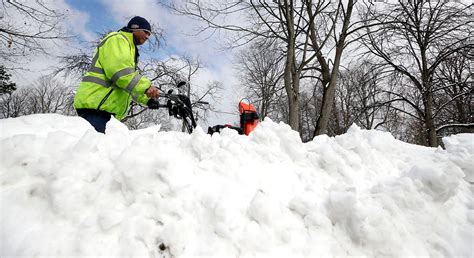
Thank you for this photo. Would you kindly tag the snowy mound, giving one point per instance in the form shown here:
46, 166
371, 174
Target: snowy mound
69, 191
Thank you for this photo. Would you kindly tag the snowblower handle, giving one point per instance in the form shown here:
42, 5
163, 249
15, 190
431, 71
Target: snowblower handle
178, 105
155, 104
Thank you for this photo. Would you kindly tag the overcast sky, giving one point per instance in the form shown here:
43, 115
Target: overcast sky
87, 18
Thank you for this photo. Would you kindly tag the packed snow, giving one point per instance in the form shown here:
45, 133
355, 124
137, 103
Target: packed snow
69, 191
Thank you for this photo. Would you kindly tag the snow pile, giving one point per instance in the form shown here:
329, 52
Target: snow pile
69, 191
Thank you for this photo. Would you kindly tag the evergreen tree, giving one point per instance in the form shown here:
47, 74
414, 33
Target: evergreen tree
6, 86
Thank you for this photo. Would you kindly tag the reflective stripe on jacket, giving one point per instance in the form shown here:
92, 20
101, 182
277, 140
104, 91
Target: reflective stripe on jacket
112, 80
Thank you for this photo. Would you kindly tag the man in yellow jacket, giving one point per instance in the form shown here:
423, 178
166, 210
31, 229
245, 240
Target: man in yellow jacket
112, 81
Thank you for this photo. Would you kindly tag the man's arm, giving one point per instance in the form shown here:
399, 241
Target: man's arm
118, 62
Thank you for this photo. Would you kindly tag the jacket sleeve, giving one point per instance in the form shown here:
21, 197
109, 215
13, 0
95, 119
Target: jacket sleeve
116, 58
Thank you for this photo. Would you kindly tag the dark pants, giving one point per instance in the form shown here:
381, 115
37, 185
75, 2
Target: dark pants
97, 118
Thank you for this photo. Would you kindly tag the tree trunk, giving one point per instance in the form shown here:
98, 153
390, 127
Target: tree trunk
292, 87
328, 96
429, 121
427, 93
291, 76
330, 91
326, 108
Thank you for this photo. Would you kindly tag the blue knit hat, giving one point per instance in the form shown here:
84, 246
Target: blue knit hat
139, 23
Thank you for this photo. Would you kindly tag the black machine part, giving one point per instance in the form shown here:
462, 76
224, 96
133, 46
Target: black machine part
178, 105
218, 128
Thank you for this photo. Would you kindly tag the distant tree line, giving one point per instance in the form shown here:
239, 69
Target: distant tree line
46, 96
321, 66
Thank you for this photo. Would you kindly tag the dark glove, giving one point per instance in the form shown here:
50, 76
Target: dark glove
153, 104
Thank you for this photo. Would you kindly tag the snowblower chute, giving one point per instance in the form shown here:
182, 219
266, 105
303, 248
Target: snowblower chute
249, 119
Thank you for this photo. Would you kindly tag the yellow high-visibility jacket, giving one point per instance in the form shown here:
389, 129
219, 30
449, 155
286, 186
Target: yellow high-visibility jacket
113, 81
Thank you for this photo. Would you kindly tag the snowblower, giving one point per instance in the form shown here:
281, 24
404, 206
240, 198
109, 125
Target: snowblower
249, 119
179, 106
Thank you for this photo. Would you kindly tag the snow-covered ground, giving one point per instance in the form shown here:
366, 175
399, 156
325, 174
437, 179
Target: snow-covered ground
69, 191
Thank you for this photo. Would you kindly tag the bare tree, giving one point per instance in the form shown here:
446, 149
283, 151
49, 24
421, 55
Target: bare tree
454, 97
49, 96
260, 69
15, 104
281, 21
310, 107
413, 38
357, 97
330, 29
46, 96
25, 26
74, 66
148, 118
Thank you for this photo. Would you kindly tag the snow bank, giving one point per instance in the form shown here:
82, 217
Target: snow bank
69, 191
